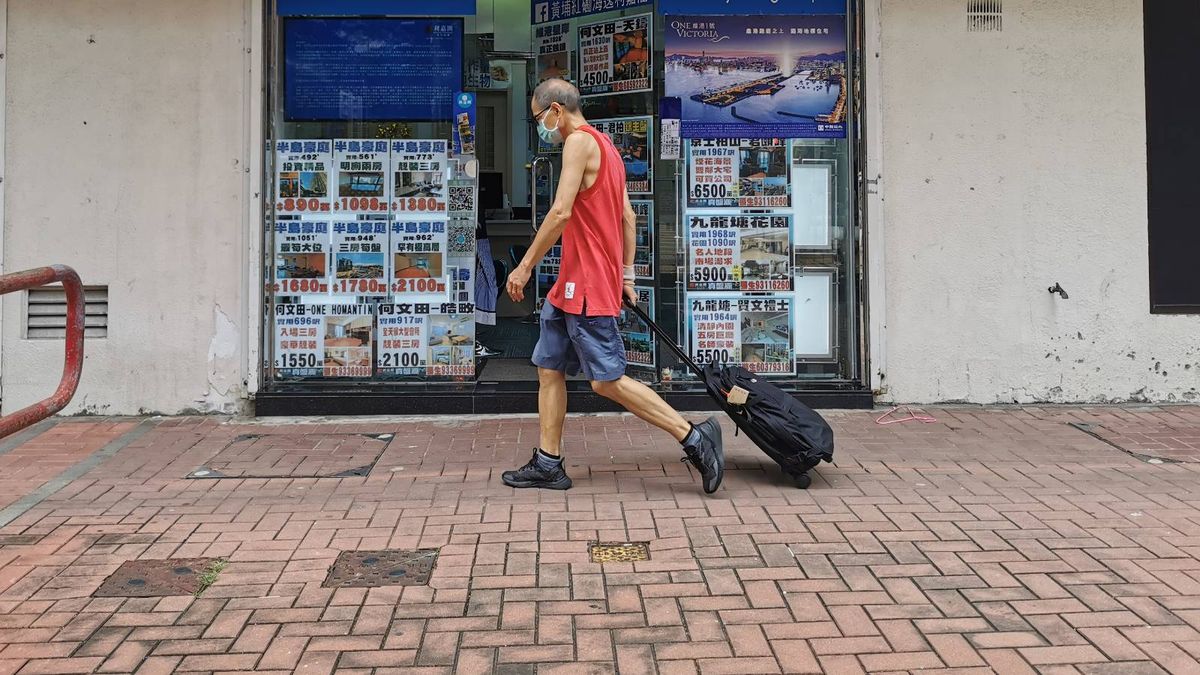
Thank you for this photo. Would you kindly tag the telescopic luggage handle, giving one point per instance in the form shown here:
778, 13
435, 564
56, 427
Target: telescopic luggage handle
670, 343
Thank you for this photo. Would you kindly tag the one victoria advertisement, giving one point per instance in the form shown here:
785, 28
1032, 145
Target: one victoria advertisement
758, 76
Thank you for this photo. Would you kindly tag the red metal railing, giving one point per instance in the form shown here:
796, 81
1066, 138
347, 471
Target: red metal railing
73, 366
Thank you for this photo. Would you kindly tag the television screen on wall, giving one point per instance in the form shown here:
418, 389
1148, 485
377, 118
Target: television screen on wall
371, 69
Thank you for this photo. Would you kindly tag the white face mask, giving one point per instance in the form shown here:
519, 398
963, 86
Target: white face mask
551, 136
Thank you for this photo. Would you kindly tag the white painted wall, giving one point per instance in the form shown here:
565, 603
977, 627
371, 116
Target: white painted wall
1012, 161
125, 157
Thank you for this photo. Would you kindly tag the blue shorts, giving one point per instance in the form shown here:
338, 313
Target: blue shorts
571, 343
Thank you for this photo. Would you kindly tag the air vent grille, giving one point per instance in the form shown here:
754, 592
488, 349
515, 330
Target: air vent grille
985, 16
46, 313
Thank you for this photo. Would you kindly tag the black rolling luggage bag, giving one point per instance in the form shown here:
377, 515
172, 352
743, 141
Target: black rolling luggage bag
788, 431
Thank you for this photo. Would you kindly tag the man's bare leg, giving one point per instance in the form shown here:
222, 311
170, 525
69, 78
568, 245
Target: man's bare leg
545, 468
642, 401
552, 409
701, 443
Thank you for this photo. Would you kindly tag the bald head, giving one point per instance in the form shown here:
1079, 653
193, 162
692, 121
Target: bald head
558, 91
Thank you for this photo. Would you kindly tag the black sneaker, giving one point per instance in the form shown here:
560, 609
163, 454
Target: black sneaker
533, 476
708, 456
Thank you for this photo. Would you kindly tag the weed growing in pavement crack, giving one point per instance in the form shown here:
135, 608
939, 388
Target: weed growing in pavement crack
209, 577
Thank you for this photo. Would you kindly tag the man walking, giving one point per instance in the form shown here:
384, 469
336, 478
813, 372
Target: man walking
592, 214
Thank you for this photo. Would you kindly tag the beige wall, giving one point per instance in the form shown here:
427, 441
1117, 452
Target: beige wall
1011, 161
126, 152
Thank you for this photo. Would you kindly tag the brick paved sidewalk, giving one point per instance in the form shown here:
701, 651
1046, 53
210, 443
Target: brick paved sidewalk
995, 540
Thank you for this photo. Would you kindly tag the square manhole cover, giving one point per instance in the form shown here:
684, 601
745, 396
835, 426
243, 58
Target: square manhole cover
151, 578
296, 456
389, 567
619, 552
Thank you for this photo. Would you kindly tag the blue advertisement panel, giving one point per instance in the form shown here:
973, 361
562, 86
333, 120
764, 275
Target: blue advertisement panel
709, 7
758, 76
371, 69
374, 7
543, 11
464, 123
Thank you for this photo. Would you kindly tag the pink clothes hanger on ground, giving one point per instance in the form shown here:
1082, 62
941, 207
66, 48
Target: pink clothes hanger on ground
912, 417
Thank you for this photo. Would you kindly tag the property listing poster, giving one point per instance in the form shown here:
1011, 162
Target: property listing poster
739, 252
643, 254
421, 339
302, 171
419, 172
743, 173
361, 171
349, 331
299, 340
635, 334
301, 257
419, 260
752, 332
634, 139
765, 76
360, 257
614, 55
547, 273
554, 50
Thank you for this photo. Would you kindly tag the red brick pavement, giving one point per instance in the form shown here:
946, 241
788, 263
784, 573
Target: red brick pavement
29, 465
997, 540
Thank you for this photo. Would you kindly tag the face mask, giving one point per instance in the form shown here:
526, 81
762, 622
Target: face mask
551, 136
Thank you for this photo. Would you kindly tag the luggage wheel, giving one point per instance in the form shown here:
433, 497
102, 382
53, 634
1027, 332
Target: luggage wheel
802, 480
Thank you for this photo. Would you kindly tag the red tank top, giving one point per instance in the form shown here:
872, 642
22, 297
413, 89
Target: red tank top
593, 243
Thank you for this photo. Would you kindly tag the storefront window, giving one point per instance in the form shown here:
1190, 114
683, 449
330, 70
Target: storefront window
407, 183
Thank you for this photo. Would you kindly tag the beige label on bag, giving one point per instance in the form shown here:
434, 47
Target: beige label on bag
738, 396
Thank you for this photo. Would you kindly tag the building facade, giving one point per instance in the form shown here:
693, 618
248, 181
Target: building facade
991, 152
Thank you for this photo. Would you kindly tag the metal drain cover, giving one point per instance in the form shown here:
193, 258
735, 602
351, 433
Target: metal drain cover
151, 578
389, 567
635, 551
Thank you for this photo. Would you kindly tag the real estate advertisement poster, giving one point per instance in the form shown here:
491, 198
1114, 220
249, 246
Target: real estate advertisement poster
614, 55
299, 340
420, 339
635, 334
419, 271
752, 332
361, 185
419, 173
744, 173
739, 252
553, 44
302, 169
634, 139
360, 257
301, 257
349, 330
767, 76
643, 253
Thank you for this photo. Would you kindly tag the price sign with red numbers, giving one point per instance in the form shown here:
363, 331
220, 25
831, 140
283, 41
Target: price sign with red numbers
418, 173
359, 257
301, 257
739, 252
418, 250
302, 172
744, 173
361, 168
752, 332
